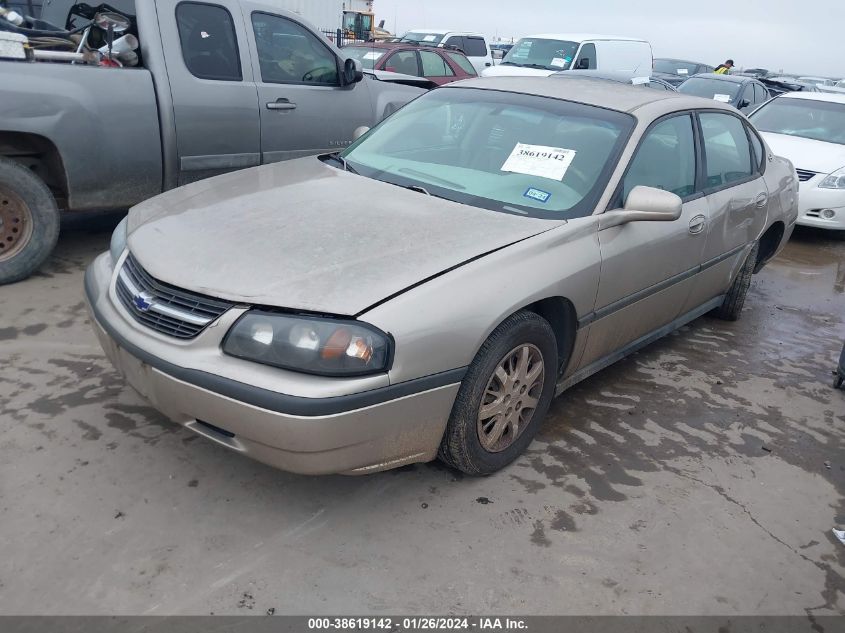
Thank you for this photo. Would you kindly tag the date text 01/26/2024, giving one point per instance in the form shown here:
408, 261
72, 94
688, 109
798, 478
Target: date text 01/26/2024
416, 624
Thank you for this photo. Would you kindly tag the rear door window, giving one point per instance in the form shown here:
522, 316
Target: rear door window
727, 150
209, 43
464, 63
434, 66
475, 46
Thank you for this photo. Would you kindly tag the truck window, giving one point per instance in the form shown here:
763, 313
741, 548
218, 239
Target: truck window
209, 43
289, 53
586, 58
475, 46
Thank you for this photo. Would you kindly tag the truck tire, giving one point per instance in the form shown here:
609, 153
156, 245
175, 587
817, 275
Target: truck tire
731, 308
504, 396
29, 222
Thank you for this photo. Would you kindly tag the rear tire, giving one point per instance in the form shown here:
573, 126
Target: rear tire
837, 381
731, 307
504, 396
29, 222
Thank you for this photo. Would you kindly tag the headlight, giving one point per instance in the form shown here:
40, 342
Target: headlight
836, 180
118, 241
313, 345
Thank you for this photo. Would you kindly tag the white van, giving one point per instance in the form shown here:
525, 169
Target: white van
474, 45
542, 55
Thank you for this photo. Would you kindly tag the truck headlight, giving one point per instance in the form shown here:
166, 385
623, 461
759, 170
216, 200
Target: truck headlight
836, 180
118, 241
312, 345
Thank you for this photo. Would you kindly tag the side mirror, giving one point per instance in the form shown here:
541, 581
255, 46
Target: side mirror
353, 72
583, 64
498, 54
644, 204
744, 104
359, 132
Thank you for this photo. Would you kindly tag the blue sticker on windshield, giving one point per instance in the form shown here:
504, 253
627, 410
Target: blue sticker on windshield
537, 194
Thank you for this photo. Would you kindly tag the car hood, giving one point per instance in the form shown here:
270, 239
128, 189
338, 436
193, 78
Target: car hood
307, 236
515, 71
806, 153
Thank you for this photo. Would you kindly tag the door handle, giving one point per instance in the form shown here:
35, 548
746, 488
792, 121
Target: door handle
696, 225
281, 104
761, 200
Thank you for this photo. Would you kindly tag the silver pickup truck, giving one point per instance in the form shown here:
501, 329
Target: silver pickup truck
220, 86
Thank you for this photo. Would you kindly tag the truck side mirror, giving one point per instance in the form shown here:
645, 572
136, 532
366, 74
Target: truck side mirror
352, 72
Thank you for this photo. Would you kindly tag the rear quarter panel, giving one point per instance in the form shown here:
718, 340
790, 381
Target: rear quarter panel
103, 121
782, 183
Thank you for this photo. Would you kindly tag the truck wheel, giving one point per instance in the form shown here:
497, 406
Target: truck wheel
731, 308
504, 396
29, 222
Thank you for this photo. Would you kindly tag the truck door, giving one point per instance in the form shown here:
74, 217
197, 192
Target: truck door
304, 108
214, 97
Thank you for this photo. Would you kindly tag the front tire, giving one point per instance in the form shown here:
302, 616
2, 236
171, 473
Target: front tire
29, 222
731, 307
504, 396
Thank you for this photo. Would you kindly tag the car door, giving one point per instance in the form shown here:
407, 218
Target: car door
215, 109
737, 198
304, 108
648, 268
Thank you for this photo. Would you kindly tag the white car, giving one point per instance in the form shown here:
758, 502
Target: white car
473, 45
808, 128
542, 55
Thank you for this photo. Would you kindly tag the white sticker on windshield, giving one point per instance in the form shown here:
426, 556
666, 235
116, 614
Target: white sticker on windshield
722, 98
539, 160
639, 81
558, 62
429, 38
372, 55
683, 71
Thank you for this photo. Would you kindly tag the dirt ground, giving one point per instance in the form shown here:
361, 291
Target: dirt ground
702, 475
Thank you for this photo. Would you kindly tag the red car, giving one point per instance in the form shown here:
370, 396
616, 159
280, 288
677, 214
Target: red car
439, 65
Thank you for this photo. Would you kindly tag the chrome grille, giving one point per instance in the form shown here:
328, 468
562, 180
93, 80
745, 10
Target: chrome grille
162, 307
805, 174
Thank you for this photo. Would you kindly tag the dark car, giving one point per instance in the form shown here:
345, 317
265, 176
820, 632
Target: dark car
780, 85
743, 93
439, 65
621, 77
677, 71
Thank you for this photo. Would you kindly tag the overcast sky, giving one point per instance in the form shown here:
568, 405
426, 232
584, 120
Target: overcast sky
800, 37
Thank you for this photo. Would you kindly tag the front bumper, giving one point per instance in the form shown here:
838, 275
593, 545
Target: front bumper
812, 200
356, 433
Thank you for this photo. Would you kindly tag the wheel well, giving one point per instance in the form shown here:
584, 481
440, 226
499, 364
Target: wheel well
561, 315
769, 242
39, 155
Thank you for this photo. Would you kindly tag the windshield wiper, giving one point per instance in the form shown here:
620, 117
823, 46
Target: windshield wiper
346, 166
435, 179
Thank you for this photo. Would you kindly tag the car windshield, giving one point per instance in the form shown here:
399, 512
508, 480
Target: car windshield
674, 67
501, 151
424, 37
368, 56
533, 52
718, 89
818, 120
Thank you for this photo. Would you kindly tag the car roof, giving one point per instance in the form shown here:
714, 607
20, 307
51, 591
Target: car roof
831, 97
610, 75
443, 32
683, 61
602, 94
737, 79
580, 37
